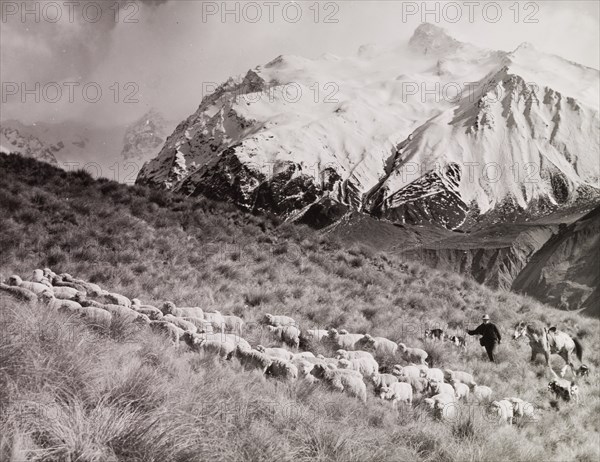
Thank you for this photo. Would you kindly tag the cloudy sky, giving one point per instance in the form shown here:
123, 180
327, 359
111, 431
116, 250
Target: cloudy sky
163, 53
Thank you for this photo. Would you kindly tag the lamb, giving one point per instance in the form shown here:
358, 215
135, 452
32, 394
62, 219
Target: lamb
117, 299
397, 392
173, 333
35, 287
181, 323
343, 339
368, 367
482, 394
406, 371
413, 355
282, 369
443, 406
503, 409
289, 335
522, 409
459, 376
433, 374
276, 321
19, 293
438, 388
233, 324
252, 359
381, 345
461, 390
344, 381
279, 353
383, 380
419, 384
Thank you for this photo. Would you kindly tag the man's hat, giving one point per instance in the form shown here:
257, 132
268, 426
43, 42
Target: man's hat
486, 317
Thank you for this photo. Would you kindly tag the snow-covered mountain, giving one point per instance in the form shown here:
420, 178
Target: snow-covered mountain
145, 137
435, 130
12, 141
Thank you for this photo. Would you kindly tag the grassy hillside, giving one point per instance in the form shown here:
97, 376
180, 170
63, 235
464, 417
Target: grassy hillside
71, 393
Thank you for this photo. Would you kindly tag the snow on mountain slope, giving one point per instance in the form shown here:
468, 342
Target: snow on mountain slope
12, 141
386, 132
145, 137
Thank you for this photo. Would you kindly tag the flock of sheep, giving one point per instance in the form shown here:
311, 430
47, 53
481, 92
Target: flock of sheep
350, 371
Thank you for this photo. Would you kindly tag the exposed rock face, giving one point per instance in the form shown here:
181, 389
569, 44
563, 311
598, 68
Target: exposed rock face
565, 272
521, 141
144, 138
12, 141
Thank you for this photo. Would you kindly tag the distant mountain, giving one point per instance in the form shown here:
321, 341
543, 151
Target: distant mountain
12, 141
365, 132
145, 137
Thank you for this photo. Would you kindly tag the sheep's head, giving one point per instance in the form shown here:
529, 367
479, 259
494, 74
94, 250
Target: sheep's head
430, 402
142, 319
268, 318
343, 332
422, 373
38, 274
341, 354
260, 348
168, 308
398, 370
369, 341
136, 302
46, 296
333, 334
320, 356
318, 371
385, 392
14, 280
344, 364
402, 347
193, 340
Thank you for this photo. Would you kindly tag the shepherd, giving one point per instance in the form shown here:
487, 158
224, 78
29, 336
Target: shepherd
490, 336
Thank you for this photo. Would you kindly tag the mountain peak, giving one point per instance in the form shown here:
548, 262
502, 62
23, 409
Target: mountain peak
431, 39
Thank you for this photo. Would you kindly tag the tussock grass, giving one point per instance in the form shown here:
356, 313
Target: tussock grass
71, 391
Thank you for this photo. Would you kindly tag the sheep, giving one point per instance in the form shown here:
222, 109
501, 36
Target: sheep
522, 409
233, 324
191, 312
203, 326
433, 374
35, 287
276, 321
173, 333
461, 390
117, 299
68, 293
406, 371
280, 353
366, 366
413, 355
97, 315
49, 274
20, 293
482, 394
438, 388
282, 369
252, 359
121, 311
93, 290
216, 320
503, 409
381, 345
170, 308
289, 335
343, 339
343, 354
304, 368
459, 376
57, 304
316, 335
344, 381
153, 313
196, 342
181, 323
443, 406
383, 380
234, 339
418, 384
38, 276
303, 355
397, 392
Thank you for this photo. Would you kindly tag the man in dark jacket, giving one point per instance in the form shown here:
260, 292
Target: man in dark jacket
490, 336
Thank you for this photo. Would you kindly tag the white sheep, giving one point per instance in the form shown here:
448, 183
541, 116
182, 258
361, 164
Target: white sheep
503, 409
406, 371
383, 380
380, 345
222, 347
152, 312
290, 335
202, 325
58, 304
342, 380
117, 299
461, 390
252, 359
191, 312
173, 333
366, 366
93, 290
344, 354
121, 311
438, 388
181, 323
68, 293
271, 320
413, 355
459, 376
482, 394
397, 392
315, 335
304, 367
216, 320
343, 340
38, 276
233, 324
34, 287
419, 384
303, 355
522, 409
433, 374
443, 406
282, 369
170, 308
19, 293
274, 352
96, 315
